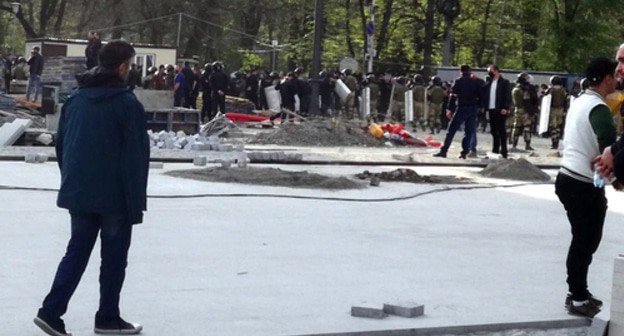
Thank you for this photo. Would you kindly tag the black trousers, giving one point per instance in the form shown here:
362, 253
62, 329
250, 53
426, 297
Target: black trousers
498, 131
586, 207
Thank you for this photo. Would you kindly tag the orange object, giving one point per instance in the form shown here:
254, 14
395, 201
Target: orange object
375, 130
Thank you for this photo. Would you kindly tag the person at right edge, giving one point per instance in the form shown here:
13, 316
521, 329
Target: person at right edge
102, 150
589, 129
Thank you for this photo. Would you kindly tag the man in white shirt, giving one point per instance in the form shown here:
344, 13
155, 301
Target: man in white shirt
497, 101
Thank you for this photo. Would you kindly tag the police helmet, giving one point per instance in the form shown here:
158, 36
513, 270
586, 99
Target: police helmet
436, 80
523, 78
208, 66
556, 80
169, 67
584, 84
418, 79
346, 72
401, 80
152, 70
274, 74
370, 77
217, 66
323, 74
298, 71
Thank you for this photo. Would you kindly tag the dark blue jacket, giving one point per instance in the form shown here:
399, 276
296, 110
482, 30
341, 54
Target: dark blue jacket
466, 91
103, 148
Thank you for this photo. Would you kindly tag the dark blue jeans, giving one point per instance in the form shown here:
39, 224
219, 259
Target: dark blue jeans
463, 115
115, 235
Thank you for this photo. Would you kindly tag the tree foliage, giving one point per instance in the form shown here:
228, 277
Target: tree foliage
557, 35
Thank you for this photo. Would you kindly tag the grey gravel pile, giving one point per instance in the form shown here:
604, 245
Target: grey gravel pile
319, 132
520, 169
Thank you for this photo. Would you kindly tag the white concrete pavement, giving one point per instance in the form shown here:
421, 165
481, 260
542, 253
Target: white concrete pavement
274, 266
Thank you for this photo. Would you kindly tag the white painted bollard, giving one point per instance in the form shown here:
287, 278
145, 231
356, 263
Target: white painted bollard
616, 323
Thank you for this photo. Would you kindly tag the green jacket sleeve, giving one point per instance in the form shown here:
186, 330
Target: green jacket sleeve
602, 124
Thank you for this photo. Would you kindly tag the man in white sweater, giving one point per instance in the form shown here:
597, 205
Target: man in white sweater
589, 129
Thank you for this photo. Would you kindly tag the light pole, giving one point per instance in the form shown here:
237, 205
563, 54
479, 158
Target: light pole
15, 6
316, 57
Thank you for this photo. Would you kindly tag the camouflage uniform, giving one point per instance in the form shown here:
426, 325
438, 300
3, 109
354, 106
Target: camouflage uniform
557, 109
352, 84
522, 115
374, 98
398, 103
435, 97
419, 92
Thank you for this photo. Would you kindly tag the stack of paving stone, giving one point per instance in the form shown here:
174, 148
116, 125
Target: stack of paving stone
62, 71
196, 142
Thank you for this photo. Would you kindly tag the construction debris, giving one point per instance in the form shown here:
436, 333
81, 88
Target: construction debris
520, 169
10, 132
408, 175
319, 132
268, 177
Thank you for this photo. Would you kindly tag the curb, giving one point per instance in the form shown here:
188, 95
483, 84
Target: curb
465, 329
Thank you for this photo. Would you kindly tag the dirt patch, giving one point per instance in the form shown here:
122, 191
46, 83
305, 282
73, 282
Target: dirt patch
268, 177
520, 169
408, 175
319, 132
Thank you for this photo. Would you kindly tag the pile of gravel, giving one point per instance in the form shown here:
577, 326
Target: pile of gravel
268, 177
408, 175
319, 132
520, 169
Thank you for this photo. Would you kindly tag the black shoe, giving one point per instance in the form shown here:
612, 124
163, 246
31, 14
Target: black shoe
116, 326
52, 327
462, 156
587, 309
590, 298
528, 147
441, 155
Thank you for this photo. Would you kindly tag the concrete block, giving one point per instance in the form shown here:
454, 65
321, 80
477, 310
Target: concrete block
616, 329
375, 181
155, 99
200, 161
198, 146
156, 165
160, 144
298, 157
242, 163
226, 164
240, 147
10, 132
599, 325
41, 158
228, 148
30, 158
367, 312
617, 306
44, 139
404, 309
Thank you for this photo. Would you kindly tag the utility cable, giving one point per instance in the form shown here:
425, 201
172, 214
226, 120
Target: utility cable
315, 198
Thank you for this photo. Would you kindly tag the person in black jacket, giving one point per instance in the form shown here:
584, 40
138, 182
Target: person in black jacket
219, 83
103, 153
251, 87
93, 48
465, 97
288, 90
35, 63
497, 101
189, 84
204, 83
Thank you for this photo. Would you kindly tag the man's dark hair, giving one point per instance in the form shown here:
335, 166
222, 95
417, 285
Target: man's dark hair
495, 67
114, 54
36, 49
465, 68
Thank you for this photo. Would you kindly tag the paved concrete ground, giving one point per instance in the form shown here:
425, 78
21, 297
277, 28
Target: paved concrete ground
275, 266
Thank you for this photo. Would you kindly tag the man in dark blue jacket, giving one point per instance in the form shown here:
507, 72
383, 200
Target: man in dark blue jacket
103, 153
465, 96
